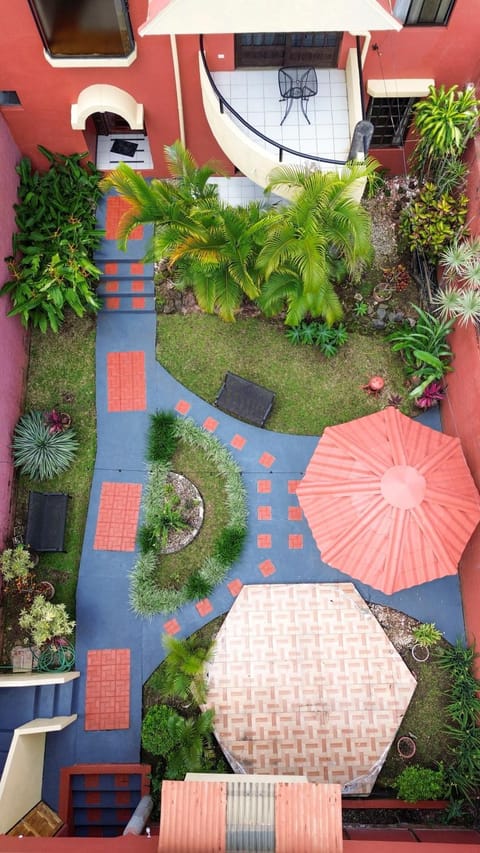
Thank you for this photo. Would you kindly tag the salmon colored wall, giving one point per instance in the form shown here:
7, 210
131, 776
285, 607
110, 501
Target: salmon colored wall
13, 343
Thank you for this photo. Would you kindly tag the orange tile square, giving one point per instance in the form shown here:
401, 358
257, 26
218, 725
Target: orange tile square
182, 407
295, 540
112, 303
111, 268
264, 513
112, 709
267, 460
91, 780
136, 268
235, 586
116, 529
295, 513
126, 381
171, 627
116, 208
138, 302
204, 607
92, 798
111, 287
138, 286
94, 815
292, 486
238, 442
267, 568
264, 487
264, 540
210, 424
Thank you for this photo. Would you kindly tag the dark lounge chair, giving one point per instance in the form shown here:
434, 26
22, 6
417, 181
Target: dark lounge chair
245, 400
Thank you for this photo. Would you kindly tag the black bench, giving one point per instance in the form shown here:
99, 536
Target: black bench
46, 521
245, 400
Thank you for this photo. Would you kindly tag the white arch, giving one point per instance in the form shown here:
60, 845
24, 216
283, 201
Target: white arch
105, 98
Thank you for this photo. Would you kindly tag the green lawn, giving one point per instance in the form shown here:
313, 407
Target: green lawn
61, 375
312, 391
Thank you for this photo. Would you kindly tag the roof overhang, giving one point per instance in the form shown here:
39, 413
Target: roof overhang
183, 17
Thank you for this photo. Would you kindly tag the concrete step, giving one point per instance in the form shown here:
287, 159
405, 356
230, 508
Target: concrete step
44, 701
128, 304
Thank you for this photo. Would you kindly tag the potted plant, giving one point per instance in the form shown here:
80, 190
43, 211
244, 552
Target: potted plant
425, 636
16, 564
44, 621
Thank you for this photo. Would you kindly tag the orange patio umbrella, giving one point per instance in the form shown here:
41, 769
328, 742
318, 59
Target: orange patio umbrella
389, 501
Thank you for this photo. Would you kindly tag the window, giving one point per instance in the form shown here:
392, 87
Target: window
390, 118
423, 12
84, 28
8, 98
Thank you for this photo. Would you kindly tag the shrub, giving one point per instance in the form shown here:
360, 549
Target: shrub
51, 266
157, 737
146, 538
198, 586
427, 634
419, 783
38, 452
433, 221
425, 349
16, 563
229, 545
44, 621
328, 338
162, 438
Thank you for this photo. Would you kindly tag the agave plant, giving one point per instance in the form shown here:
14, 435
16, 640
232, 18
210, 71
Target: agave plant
38, 452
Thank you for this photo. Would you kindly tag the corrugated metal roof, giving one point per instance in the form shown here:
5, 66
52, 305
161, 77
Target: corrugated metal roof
308, 818
250, 816
389, 501
193, 817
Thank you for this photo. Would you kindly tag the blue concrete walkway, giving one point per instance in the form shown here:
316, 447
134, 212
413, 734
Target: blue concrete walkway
104, 617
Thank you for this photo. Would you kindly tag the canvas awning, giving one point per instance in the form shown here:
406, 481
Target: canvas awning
166, 17
389, 501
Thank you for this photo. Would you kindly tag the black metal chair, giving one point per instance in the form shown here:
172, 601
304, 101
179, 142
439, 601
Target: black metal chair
297, 84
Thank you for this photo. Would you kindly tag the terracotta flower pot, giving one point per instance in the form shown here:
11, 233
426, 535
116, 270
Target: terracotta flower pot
420, 653
406, 747
46, 589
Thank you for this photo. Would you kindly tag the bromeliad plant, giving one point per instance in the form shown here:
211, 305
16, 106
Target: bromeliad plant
40, 453
459, 293
327, 338
51, 266
425, 349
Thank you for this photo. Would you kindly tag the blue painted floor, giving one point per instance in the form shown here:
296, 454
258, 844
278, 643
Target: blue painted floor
104, 618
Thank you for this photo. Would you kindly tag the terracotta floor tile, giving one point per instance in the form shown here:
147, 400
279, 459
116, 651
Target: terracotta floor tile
111, 287
267, 460
210, 424
204, 607
138, 303
126, 381
116, 207
112, 709
292, 486
112, 303
238, 442
138, 286
117, 519
171, 627
137, 268
111, 268
235, 586
264, 513
267, 568
182, 407
295, 540
264, 487
295, 513
264, 540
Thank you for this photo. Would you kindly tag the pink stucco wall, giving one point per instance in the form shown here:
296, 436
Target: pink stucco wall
12, 336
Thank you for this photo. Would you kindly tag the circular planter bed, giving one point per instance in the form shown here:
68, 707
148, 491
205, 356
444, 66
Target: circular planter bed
191, 508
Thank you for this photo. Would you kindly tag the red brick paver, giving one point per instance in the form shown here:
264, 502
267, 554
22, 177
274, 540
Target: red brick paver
264, 513
117, 518
295, 513
138, 286
182, 407
111, 268
264, 487
267, 460
238, 442
107, 692
264, 540
126, 383
138, 303
210, 424
171, 627
204, 607
267, 568
112, 303
116, 207
137, 268
292, 486
295, 540
234, 587
111, 287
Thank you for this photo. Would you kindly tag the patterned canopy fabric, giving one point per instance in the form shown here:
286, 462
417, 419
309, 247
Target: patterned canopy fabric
389, 501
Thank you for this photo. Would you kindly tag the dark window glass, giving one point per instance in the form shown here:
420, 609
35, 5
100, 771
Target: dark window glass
428, 12
390, 118
262, 39
75, 28
8, 98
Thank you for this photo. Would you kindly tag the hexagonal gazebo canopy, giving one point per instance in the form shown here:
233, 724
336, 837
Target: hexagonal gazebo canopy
305, 681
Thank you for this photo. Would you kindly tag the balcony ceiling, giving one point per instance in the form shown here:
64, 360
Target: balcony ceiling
230, 16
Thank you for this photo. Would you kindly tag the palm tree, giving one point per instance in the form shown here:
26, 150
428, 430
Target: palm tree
309, 241
183, 669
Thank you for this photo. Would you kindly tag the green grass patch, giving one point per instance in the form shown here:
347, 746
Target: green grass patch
312, 392
61, 375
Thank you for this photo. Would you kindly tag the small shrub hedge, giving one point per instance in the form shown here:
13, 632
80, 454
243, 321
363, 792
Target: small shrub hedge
157, 737
147, 597
420, 783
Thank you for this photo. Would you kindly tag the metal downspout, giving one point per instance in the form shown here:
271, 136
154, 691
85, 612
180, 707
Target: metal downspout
360, 74
178, 87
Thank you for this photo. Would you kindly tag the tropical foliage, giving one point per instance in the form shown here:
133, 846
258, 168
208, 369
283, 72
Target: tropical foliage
314, 242
184, 669
51, 265
424, 348
433, 221
16, 563
420, 783
445, 121
40, 453
459, 293
329, 339
44, 621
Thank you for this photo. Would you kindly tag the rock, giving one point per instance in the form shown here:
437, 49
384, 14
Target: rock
378, 324
381, 313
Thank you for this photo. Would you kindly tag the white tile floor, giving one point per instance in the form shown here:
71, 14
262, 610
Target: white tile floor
239, 191
106, 159
255, 96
